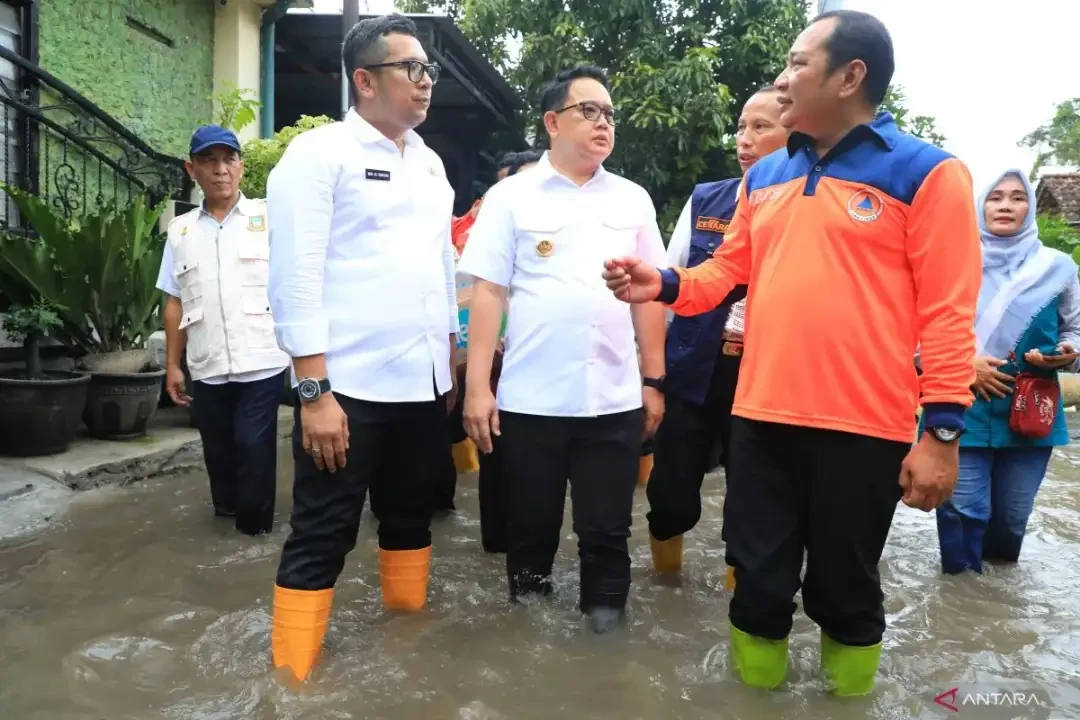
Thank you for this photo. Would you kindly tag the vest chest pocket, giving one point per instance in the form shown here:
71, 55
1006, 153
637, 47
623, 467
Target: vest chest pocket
188, 278
254, 257
198, 339
259, 321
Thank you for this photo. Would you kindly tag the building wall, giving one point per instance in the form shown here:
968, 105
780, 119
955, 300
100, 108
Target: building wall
159, 92
237, 59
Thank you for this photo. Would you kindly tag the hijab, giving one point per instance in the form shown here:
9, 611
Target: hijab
1020, 277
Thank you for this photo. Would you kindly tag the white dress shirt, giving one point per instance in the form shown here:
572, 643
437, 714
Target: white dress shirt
361, 263
570, 349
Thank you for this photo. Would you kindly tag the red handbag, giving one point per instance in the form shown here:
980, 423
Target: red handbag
1034, 405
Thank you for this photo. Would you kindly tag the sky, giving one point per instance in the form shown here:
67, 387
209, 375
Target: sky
990, 71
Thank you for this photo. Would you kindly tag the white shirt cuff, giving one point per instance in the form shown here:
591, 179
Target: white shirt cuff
311, 337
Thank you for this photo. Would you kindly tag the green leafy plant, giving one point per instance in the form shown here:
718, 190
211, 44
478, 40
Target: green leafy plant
29, 325
98, 271
262, 154
235, 107
1055, 232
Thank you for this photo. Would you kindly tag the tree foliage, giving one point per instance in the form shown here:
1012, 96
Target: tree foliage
921, 126
680, 71
1057, 141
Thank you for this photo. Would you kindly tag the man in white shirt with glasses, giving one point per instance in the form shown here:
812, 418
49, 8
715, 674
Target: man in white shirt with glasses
572, 402
363, 292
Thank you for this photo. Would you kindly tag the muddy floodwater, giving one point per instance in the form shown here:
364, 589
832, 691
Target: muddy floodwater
137, 604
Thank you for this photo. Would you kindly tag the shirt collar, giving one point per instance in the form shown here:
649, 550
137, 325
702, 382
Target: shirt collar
881, 130
546, 172
366, 133
240, 208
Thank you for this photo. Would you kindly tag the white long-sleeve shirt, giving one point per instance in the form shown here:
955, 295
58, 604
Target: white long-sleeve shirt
361, 263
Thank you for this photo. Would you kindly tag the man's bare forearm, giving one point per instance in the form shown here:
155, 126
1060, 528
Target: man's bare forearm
650, 328
485, 318
175, 338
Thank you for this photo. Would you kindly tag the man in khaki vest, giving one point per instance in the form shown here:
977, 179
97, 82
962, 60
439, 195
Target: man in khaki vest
215, 270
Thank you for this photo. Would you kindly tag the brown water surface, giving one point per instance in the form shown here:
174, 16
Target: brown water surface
139, 605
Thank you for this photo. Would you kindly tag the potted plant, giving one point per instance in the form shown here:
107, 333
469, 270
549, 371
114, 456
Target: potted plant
40, 410
99, 272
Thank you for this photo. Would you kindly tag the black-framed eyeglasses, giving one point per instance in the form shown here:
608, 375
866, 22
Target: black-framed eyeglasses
416, 69
592, 112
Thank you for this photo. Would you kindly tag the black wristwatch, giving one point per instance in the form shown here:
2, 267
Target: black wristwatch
655, 383
308, 390
946, 435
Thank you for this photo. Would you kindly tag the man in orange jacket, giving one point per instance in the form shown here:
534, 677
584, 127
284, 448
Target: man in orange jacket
857, 244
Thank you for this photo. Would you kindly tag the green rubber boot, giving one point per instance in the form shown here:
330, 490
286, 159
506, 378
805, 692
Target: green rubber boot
760, 662
850, 670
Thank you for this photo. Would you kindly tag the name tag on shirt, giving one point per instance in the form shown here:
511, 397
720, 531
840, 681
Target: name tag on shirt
376, 174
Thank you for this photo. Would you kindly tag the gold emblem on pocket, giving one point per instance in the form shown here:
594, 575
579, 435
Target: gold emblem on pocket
544, 247
183, 231
256, 223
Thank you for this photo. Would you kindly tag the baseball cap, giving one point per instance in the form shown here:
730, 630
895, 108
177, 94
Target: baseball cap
210, 135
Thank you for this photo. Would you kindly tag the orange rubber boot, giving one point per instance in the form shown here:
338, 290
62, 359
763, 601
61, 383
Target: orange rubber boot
645, 465
404, 576
300, 620
466, 457
666, 554
729, 579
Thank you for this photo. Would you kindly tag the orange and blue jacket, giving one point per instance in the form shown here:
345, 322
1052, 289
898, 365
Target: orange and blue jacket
853, 260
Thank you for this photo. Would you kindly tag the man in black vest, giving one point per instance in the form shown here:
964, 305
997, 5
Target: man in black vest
703, 352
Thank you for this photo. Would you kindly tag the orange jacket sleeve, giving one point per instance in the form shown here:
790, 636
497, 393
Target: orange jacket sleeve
704, 287
946, 262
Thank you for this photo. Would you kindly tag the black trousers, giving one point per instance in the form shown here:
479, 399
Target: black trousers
443, 467
491, 486
238, 426
402, 437
685, 444
832, 494
599, 456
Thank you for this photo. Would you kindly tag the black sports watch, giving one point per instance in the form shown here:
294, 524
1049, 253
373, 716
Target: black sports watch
945, 434
308, 390
655, 383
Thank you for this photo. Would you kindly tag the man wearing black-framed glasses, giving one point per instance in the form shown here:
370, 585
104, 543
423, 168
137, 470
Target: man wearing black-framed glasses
415, 70
364, 297
573, 403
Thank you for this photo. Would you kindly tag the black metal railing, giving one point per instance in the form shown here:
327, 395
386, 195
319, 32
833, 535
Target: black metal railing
64, 148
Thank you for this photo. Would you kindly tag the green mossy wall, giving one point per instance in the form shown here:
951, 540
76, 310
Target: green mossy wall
159, 93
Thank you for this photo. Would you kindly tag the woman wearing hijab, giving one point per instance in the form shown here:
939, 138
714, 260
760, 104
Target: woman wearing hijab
1027, 329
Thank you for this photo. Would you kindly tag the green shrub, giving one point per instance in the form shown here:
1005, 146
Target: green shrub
262, 154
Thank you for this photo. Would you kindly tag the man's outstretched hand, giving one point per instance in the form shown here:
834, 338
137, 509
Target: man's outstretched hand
632, 280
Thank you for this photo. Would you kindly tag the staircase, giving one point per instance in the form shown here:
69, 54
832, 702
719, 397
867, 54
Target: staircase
59, 145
